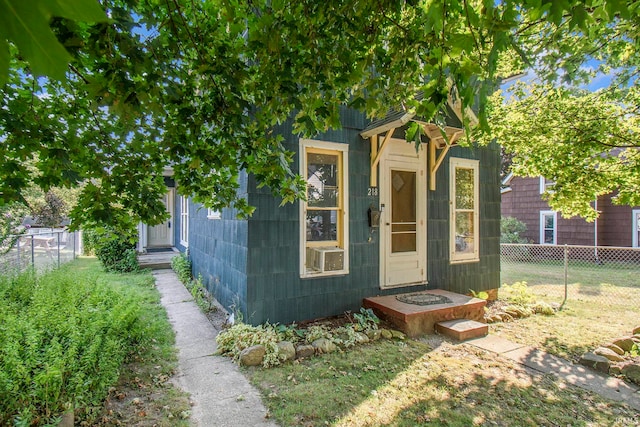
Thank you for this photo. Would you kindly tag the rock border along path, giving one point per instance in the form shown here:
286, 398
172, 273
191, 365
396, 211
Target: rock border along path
220, 394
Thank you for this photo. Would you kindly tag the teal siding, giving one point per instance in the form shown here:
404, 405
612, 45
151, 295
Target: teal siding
275, 290
218, 252
254, 265
477, 276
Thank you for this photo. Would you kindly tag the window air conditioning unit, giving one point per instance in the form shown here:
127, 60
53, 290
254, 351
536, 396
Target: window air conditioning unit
323, 259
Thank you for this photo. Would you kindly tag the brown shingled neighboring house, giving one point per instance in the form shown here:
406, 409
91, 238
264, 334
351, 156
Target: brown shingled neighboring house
522, 199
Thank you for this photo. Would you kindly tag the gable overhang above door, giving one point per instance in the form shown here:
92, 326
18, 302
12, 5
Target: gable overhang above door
440, 139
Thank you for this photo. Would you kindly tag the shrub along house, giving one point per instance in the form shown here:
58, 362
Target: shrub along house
382, 218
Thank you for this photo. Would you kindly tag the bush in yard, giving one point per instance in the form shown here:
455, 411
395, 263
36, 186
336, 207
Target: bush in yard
518, 293
512, 230
116, 250
233, 340
63, 338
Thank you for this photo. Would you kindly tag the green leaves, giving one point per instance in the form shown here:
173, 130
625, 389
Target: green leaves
586, 142
205, 87
26, 23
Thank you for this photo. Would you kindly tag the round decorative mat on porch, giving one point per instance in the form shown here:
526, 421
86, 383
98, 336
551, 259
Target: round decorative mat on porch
423, 299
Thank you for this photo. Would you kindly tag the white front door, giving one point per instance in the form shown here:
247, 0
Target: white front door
403, 239
161, 234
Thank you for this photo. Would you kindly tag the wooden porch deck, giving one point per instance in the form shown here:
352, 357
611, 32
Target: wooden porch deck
415, 320
157, 260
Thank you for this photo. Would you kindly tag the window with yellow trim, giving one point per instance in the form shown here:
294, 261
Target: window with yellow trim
464, 218
323, 215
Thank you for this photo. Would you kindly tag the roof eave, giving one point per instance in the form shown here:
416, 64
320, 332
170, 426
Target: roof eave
367, 133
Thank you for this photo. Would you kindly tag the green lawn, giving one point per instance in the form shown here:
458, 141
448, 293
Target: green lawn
614, 284
603, 302
413, 383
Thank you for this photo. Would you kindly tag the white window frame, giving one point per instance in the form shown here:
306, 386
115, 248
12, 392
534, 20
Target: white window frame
213, 214
184, 221
543, 214
546, 184
635, 227
459, 163
343, 242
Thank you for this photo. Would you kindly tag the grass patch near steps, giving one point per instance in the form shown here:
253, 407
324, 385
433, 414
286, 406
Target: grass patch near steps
435, 383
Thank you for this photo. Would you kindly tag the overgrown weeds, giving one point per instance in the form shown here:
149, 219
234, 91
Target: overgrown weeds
65, 336
182, 267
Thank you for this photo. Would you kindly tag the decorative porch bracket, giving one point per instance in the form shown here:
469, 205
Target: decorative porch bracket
437, 141
376, 153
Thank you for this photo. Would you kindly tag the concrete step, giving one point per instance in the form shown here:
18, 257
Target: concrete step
416, 319
156, 265
462, 329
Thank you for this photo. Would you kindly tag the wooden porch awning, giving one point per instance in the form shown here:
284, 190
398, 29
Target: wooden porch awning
379, 134
436, 135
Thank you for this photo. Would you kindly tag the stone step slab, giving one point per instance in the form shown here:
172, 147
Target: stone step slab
462, 329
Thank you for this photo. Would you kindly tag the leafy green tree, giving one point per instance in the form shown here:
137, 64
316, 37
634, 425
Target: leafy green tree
11, 217
202, 86
51, 212
588, 143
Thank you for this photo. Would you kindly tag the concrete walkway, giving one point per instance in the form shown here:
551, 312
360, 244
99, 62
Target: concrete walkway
580, 376
221, 396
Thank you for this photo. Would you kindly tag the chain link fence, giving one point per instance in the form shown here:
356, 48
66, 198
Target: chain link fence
41, 249
607, 276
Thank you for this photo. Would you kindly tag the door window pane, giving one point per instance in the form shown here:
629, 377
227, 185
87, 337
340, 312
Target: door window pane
403, 211
405, 242
403, 196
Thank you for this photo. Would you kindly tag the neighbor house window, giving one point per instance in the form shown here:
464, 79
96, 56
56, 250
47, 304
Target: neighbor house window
213, 214
546, 184
548, 227
635, 240
323, 216
464, 213
184, 221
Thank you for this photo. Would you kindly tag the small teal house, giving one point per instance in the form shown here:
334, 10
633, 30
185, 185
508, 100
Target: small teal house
382, 218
